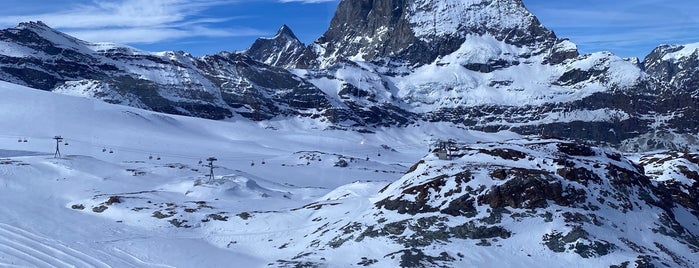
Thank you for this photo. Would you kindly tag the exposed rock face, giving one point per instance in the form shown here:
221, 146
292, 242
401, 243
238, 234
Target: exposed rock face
282, 50
264, 91
677, 65
213, 87
677, 174
417, 31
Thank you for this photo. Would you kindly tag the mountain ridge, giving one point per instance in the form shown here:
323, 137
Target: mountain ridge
499, 68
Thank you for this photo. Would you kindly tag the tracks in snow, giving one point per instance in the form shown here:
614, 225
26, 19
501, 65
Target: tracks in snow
21, 248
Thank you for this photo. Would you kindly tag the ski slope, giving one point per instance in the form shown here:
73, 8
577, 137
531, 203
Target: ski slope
151, 162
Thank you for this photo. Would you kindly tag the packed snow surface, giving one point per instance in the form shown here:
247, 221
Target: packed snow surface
131, 186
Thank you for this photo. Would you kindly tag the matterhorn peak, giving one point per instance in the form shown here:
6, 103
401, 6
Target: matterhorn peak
419, 31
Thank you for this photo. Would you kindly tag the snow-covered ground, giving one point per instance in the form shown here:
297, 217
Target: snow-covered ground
131, 189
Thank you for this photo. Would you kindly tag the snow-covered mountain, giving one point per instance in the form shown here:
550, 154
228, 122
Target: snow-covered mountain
484, 64
677, 65
215, 86
490, 65
283, 50
418, 32
131, 183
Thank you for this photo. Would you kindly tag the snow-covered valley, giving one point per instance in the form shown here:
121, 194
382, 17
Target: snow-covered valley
131, 189
151, 161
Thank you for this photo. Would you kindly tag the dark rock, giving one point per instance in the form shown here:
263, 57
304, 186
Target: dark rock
580, 175
282, 50
417, 258
507, 154
179, 223
529, 189
113, 200
472, 231
217, 217
244, 215
99, 209
575, 149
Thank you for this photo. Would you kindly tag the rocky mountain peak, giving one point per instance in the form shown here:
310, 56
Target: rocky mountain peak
32, 24
35, 31
419, 31
677, 65
286, 32
282, 50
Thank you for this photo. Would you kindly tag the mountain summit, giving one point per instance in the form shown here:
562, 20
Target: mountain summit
419, 31
283, 50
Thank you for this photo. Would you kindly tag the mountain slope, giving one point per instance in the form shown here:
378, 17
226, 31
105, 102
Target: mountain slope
213, 87
519, 203
129, 178
676, 65
490, 65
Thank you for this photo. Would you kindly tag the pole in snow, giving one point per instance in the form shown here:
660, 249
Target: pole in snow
58, 139
211, 167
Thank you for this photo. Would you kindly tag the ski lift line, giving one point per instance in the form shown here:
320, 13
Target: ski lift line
152, 152
135, 150
116, 149
14, 136
192, 157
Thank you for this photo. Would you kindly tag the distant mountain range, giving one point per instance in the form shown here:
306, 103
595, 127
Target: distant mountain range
486, 65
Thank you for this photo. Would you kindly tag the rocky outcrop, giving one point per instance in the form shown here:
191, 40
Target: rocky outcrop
677, 174
516, 199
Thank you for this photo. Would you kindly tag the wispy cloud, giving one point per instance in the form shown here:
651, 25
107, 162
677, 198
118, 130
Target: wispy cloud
137, 21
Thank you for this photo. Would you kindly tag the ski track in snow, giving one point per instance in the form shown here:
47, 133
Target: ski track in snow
130, 258
36, 251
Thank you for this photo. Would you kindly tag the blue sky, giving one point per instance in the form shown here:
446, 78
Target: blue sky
625, 27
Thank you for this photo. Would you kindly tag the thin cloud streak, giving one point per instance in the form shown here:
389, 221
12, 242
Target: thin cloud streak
137, 21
